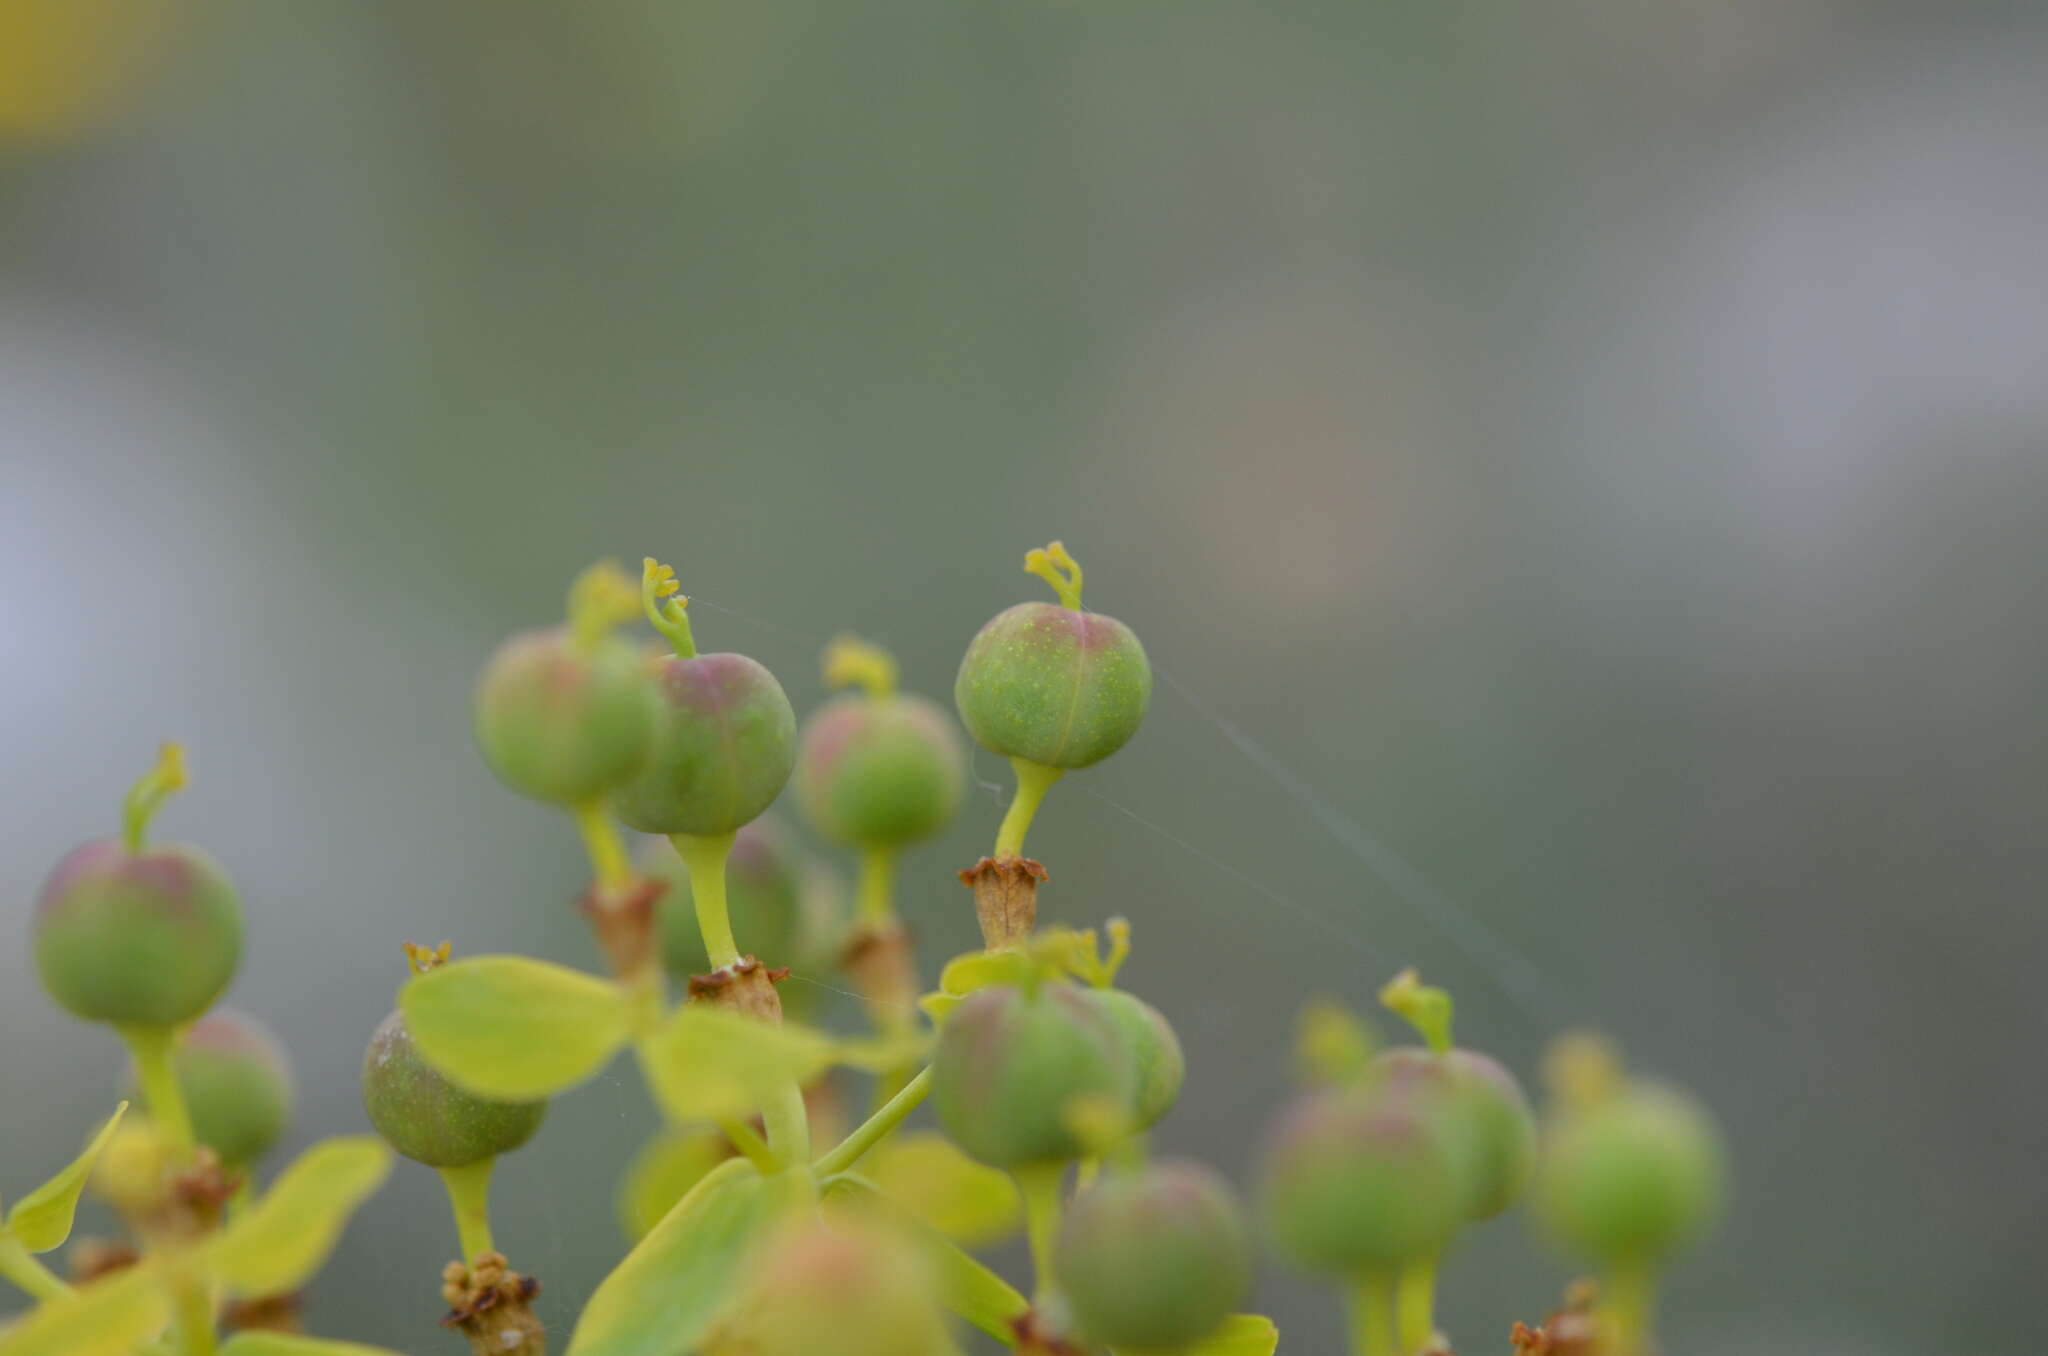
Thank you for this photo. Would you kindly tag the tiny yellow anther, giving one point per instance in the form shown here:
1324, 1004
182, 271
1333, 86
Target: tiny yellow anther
850, 660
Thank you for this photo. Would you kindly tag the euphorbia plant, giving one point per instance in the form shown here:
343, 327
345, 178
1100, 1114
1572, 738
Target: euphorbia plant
757, 1228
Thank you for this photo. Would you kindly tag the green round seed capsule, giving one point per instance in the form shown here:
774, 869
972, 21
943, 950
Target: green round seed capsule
564, 720
1008, 1064
764, 897
148, 937
237, 1085
430, 1120
1053, 685
1631, 1176
1154, 1260
880, 771
1359, 1179
722, 751
1158, 1065
1489, 1128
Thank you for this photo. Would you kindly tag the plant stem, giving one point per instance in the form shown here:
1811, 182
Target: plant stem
1039, 1185
151, 1048
878, 884
705, 860
469, 1191
608, 860
1372, 1314
1415, 1304
22, 1267
789, 1125
192, 1318
1033, 781
876, 1127
751, 1146
1628, 1304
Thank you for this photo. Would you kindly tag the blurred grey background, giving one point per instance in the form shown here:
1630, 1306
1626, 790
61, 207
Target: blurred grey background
1578, 469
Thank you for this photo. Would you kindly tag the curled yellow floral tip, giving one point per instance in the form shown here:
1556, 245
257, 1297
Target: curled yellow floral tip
1119, 930
1083, 952
850, 660
601, 600
1332, 1045
1056, 567
1427, 1010
1582, 1069
667, 613
151, 789
425, 958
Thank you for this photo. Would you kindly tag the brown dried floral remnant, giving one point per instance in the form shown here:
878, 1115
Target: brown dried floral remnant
489, 1303
1005, 898
746, 986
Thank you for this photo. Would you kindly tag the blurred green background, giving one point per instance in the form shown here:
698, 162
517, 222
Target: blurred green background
1578, 468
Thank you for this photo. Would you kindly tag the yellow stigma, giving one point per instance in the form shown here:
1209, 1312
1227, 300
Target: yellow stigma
1332, 1046
1099, 1122
602, 599
425, 958
150, 790
850, 660
1427, 1010
666, 612
1582, 1069
1055, 566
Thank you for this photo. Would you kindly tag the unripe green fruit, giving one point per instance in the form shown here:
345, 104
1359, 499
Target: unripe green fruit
1053, 685
147, 938
1154, 1260
563, 721
1358, 1179
430, 1120
764, 897
1633, 1175
880, 771
1158, 1067
1008, 1064
237, 1085
1488, 1126
722, 751
840, 1287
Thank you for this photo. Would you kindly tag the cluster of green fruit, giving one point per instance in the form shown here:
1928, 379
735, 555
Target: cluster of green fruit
748, 1239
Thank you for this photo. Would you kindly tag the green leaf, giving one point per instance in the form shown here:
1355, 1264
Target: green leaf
707, 1063
110, 1317
281, 1242
1240, 1335
968, 1202
288, 1344
966, 1287
679, 1280
41, 1220
509, 1027
663, 1172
